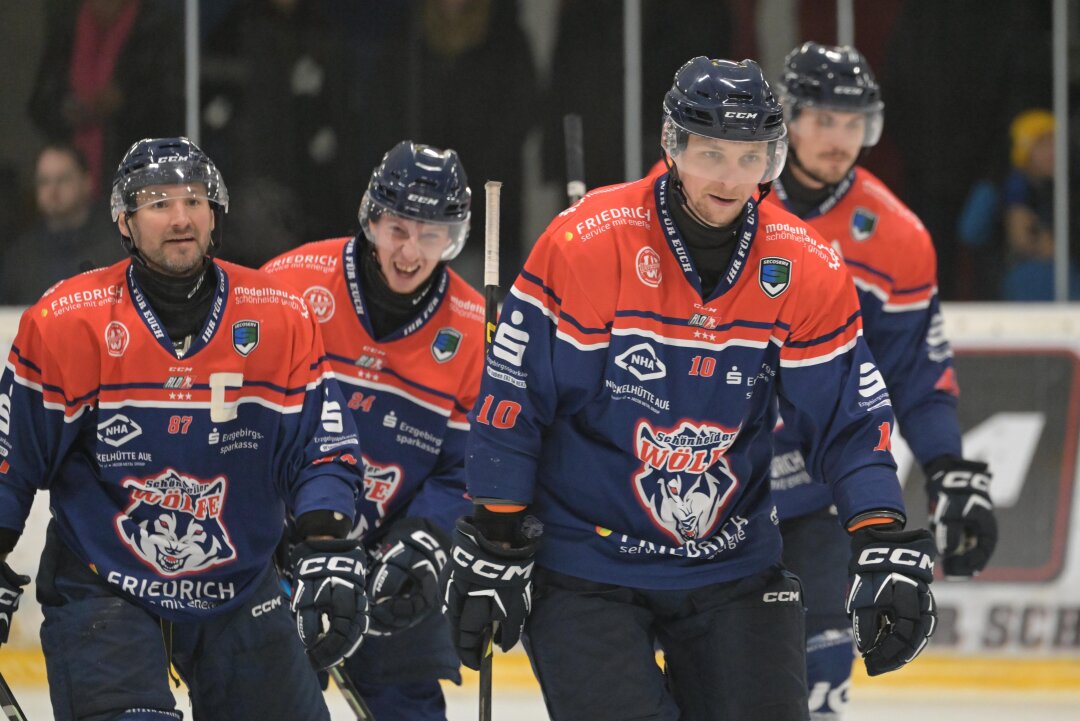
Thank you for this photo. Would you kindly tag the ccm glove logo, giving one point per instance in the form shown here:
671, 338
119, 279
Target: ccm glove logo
897, 557
333, 564
964, 480
489, 569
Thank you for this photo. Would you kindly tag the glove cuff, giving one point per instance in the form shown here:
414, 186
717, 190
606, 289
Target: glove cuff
523, 550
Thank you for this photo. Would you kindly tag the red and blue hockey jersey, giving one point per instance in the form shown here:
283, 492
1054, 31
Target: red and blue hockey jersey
409, 392
635, 416
891, 258
171, 476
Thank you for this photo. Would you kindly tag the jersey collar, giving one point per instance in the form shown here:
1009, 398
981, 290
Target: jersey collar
678, 247
157, 329
842, 188
356, 294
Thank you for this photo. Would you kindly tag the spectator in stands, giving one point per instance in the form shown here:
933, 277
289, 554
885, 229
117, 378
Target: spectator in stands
111, 73
74, 233
1028, 203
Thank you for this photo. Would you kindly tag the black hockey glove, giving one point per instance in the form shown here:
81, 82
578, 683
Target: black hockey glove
404, 582
485, 583
11, 584
961, 514
890, 604
329, 599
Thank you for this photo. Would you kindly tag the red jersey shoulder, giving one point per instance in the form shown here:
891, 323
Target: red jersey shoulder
876, 230
593, 244
318, 258
255, 288
605, 211
315, 270
93, 292
464, 302
782, 233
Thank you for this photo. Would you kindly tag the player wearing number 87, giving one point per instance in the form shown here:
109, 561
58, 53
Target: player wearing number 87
619, 458
404, 335
176, 407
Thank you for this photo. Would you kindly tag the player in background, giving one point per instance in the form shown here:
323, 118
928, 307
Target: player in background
622, 442
404, 336
176, 407
834, 111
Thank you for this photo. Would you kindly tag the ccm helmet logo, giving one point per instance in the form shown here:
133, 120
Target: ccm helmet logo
487, 569
414, 198
266, 607
780, 596
339, 564
847, 90
898, 556
740, 116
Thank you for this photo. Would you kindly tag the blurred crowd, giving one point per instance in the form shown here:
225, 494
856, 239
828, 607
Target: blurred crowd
299, 98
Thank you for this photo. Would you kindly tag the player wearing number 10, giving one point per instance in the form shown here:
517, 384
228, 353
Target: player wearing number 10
176, 408
404, 337
638, 359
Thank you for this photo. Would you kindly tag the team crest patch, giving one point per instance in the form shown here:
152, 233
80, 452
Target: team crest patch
173, 523
245, 336
321, 301
863, 224
774, 275
446, 344
648, 267
116, 338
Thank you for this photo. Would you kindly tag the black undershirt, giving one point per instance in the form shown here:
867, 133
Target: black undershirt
710, 247
801, 198
181, 304
388, 310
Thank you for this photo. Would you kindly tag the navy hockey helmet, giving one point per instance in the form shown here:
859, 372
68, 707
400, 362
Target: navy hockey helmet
166, 161
724, 100
421, 183
832, 78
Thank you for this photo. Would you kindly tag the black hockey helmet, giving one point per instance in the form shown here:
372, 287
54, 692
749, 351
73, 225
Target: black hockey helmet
832, 78
166, 161
421, 183
725, 100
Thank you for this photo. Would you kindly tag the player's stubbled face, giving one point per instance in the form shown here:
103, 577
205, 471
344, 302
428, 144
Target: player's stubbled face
171, 227
408, 251
827, 141
719, 176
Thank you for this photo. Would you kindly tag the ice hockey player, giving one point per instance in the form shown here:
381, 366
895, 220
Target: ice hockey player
176, 408
404, 335
626, 415
834, 110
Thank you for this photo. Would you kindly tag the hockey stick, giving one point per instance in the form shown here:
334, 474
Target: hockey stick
573, 136
8, 704
350, 692
492, 189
